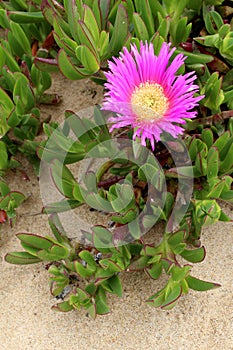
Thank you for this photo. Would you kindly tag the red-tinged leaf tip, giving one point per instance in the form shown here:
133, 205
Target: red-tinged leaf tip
200, 285
3, 216
149, 301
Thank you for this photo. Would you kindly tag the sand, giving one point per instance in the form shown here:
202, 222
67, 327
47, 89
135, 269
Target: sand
199, 321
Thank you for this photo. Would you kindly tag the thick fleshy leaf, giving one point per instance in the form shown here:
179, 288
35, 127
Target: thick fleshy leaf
12, 199
155, 271
67, 68
120, 31
46, 64
199, 285
172, 297
64, 306
35, 240
59, 207
83, 271
195, 255
102, 238
26, 17
21, 258
212, 163
101, 302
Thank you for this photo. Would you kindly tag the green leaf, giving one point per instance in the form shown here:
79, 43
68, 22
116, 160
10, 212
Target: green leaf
84, 272
6, 108
226, 165
200, 165
9, 59
144, 9
214, 96
216, 189
35, 240
12, 200
57, 229
30, 249
224, 217
221, 141
4, 189
115, 285
195, 255
120, 31
171, 297
23, 95
61, 252
67, 68
163, 28
91, 23
182, 31
63, 40
207, 211
21, 37
21, 258
178, 274
100, 300
155, 271
88, 257
228, 196
110, 265
92, 310
91, 288
89, 60
103, 45
26, 17
4, 156
48, 256
213, 21
157, 7
140, 27
124, 199
19, 4
4, 19
176, 238
46, 64
64, 306
212, 163
207, 137
157, 299
199, 285
74, 11
63, 179
59, 207
193, 58
85, 37
96, 8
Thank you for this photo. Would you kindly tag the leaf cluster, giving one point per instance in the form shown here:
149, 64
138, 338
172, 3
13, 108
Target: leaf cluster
134, 196
23, 85
137, 194
81, 276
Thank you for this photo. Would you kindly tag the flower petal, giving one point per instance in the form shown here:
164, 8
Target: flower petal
137, 67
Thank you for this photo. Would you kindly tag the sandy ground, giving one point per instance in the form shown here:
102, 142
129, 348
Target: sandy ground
199, 321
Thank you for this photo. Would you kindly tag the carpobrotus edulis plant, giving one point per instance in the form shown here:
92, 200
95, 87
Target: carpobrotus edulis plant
165, 127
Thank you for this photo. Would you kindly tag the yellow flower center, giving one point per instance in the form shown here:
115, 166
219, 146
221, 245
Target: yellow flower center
148, 101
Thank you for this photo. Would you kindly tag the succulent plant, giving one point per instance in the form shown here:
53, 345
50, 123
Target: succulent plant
149, 176
22, 89
73, 266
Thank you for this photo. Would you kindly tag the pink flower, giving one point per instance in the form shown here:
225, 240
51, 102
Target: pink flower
145, 93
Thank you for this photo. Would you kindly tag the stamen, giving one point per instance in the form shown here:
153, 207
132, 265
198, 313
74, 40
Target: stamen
149, 102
